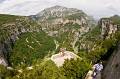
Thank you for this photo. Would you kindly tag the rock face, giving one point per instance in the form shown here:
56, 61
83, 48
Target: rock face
54, 20
57, 11
112, 70
107, 27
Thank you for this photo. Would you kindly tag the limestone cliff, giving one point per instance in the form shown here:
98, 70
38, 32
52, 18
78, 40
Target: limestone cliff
56, 19
107, 27
112, 70
110, 26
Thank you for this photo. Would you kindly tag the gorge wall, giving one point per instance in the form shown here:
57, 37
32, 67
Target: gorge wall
110, 26
112, 69
10, 32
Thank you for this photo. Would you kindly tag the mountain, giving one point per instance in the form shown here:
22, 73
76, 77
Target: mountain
28, 42
60, 22
57, 11
58, 17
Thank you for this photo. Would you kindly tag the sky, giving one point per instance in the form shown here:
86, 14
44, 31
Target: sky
95, 8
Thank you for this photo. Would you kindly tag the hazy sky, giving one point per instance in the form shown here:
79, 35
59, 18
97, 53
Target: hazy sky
95, 8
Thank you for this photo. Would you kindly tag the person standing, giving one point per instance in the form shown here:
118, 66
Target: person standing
98, 69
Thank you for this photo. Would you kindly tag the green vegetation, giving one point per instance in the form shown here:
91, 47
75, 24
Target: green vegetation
76, 69
91, 38
30, 47
65, 40
103, 48
93, 34
33, 49
72, 69
52, 17
72, 26
4, 32
5, 73
46, 70
115, 19
7, 18
75, 16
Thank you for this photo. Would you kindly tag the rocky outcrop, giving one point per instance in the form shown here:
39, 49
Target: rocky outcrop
59, 25
107, 27
56, 11
56, 18
112, 70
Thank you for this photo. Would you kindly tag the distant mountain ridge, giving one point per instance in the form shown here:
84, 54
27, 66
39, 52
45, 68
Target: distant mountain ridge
57, 11
60, 12
58, 16
27, 40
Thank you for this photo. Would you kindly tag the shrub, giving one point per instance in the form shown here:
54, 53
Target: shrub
75, 69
